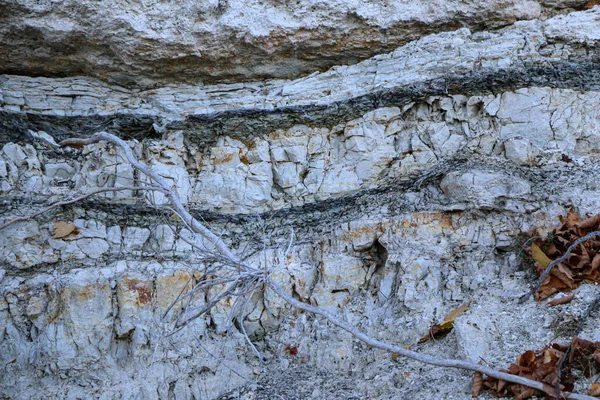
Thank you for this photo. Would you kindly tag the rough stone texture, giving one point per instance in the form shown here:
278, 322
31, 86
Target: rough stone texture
304, 164
219, 40
409, 181
557, 42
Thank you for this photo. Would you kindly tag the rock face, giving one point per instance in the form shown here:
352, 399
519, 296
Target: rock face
389, 189
228, 40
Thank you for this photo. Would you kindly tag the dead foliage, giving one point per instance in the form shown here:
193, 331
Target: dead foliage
583, 264
445, 326
594, 390
545, 366
291, 350
63, 229
476, 384
562, 300
591, 3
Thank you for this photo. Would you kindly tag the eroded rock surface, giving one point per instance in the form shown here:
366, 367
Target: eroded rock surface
389, 191
224, 40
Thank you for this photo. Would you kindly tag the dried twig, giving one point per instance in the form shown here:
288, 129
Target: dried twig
241, 320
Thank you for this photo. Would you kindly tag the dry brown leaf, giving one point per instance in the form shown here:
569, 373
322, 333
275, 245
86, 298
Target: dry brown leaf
590, 223
548, 357
447, 325
560, 347
476, 384
63, 229
552, 252
582, 355
291, 350
526, 359
562, 300
539, 256
594, 390
452, 315
571, 219
579, 260
551, 391
546, 291
596, 356
524, 392
591, 3
501, 386
596, 261
434, 331
539, 365
559, 280
74, 146
564, 274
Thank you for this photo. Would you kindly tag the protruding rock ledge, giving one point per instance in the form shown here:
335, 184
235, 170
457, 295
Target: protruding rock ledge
155, 42
560, 52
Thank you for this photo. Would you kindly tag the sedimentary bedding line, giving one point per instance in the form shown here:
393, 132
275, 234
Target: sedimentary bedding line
246, 123
346, 207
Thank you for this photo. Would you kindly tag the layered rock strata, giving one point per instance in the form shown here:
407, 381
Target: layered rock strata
409, 181
152, 42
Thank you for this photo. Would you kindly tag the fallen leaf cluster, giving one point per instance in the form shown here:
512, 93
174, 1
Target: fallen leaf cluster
583, 264
446, 326
546, 366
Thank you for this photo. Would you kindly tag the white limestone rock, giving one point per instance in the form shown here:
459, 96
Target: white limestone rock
458, 52
258, 151
113, 234
286, 174
341, 277
259, 184
420, 283
162, 239
338, 180
484, 188
361, 234
3, 169
252, 36
134, 238
59, 171
474, 333
92, 247
89, 229
105, 166
518, 151
22, 247
102, 308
